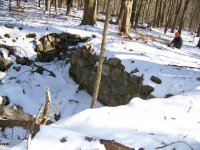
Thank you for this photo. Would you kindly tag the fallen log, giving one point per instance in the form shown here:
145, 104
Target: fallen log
112, 145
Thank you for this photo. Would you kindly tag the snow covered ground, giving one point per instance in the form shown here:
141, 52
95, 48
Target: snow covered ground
149, 124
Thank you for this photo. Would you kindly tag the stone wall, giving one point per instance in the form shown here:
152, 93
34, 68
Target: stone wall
117, 87
57, 45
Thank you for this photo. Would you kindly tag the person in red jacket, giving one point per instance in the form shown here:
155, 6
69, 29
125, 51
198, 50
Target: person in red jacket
177, 41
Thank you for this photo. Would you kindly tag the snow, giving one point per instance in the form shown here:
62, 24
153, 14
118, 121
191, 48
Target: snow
148, 124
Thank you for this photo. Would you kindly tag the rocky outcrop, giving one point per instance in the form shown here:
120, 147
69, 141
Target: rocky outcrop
57, 45
117, 87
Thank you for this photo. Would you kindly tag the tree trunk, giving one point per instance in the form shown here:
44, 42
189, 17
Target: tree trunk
101, 56
56, 6
159, 14
69, 6
9, 5
178, 8
198, 43
18, 3
195, 11
155, 14
133, 14
168, 18
138, 13
90, 11
163, 12
125, 16
181, 25
39, 3
104, 6
48, 7
198, 32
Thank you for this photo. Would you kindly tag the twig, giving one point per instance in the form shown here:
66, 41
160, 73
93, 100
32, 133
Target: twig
33, 124
189, 109
47, 106
52, 113
167, 145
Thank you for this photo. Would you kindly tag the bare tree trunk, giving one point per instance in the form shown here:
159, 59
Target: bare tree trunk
133, 14
9, 5
101, 56
178, 8
125, 16
168, 18
198, 32
159, 14
181, 25
90, 11
148, 12
138, 13
69, 6
18, 3
56, 5
39, 3
105, 5
163, 12
155, 14
48, 6
194, 12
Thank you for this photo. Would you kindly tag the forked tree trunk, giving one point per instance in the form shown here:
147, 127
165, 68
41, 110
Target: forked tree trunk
90, 11
125, 16
101, 56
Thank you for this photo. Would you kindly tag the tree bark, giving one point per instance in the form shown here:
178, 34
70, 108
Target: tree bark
138, 13
198, 32
90, 11
181, 25
9, 5
101, 56
125, 16
155, 14
134, 7
159, 14
178, 8
69, 6
169, 12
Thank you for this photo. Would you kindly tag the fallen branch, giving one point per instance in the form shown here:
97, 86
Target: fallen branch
24, 60
167, 145
112, 145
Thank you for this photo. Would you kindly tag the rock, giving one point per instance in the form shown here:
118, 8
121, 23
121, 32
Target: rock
4, 101
145, 91
117, 87
8, 25
23, 61
5, 64
53, 44
156, 80
31, 35
7, 35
